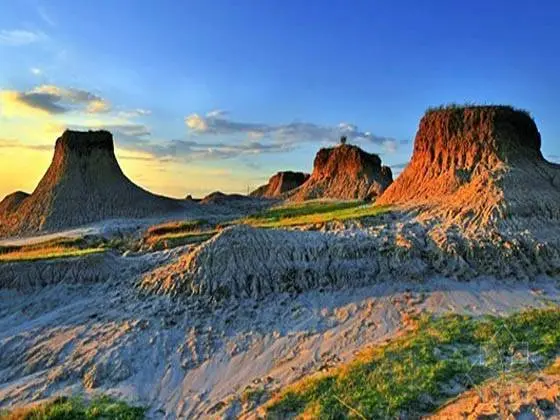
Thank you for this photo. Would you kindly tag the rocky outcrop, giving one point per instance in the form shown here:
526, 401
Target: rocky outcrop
477, 166
345, 172
280, 184
98, 267
83, 184
243, 261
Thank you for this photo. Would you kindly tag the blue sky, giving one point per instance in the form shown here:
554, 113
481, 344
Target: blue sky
206, 95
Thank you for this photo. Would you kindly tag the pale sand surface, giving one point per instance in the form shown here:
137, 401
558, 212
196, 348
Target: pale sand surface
183, 357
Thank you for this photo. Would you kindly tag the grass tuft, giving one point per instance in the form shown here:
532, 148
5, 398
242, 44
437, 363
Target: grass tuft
177, 227
474, 106
63, 408
47, 254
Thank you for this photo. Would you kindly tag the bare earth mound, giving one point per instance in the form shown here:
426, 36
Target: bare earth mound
83, 184
345, 172
478, 199
218, 197
11, 202
280, 183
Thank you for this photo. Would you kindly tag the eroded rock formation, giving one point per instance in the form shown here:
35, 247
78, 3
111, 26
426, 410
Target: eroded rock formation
83, 184
477, 199
345, 172
31, 275
477, 166
280, 183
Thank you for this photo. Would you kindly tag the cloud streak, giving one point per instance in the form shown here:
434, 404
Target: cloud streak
216, 123
137, 138
20, 37
17, 144
59, 100
210, 138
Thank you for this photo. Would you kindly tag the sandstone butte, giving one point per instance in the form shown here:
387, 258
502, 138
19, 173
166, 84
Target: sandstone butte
84, 183
478, 166
280, 183
344, 172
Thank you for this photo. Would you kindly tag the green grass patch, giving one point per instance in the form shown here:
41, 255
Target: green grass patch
178, 233
51, 249
173, 240
416, 373
47, 254
313, 212
177, 227
63, 408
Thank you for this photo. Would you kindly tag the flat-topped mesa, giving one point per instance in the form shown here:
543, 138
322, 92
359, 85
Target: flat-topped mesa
480, 162
280, 183
84, 183
458, 136
75, 142
345, 172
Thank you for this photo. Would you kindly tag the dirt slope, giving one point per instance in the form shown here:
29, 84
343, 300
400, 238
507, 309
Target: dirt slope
280, 183
345, 172
83, 184
516, 399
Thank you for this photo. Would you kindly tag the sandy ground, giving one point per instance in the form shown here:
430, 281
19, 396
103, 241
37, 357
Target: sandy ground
107, 228
193, 358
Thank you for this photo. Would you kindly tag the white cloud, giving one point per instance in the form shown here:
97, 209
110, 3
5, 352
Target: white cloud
196, 123
134, 113
36, 71
19, 37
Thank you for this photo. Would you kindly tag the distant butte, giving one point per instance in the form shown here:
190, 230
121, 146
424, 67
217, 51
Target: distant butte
280, 183
83, 184
345, 172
